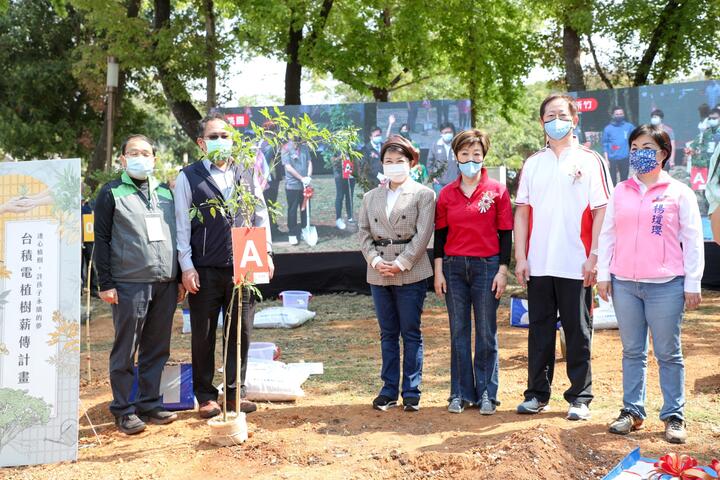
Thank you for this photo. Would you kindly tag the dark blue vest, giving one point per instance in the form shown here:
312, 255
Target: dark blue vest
211, 238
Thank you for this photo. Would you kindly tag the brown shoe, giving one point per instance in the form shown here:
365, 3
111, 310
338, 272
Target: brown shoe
245, 406
209, 409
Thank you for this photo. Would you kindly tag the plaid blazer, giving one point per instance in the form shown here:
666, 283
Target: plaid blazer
412, 217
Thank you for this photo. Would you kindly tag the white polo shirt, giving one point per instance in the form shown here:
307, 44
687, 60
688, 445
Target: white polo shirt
561, 193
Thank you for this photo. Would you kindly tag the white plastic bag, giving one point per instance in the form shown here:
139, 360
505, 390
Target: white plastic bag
273, 381
282, 317
604, 316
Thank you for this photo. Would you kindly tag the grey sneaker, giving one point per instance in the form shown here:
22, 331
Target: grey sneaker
532, 405
130, 424
456, 405
675, 430
158, 416
625, 423
487, 407
578, 411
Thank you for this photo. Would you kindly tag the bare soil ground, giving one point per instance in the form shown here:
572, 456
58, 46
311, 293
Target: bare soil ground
334, 433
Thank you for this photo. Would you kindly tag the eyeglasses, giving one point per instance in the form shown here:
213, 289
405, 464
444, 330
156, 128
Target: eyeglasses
139, 153
215, 136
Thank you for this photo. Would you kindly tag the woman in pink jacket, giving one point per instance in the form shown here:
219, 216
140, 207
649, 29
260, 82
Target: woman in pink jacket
651, 261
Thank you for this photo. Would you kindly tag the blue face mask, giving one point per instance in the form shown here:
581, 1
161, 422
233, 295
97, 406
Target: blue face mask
139, 167
377, 139
558, 129
223, 147
447, 137
470, 169
643, 161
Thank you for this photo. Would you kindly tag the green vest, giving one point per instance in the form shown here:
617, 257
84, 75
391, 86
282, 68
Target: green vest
134, 258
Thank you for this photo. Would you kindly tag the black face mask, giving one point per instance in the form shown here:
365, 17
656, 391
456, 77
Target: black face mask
619, 119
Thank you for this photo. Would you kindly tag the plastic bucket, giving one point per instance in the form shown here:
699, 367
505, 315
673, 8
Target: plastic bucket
296, 299
262, 350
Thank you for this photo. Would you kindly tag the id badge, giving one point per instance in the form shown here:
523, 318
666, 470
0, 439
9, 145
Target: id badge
153, 222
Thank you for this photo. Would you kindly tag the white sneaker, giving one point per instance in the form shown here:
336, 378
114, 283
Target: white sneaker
292, 240
578, 411
340, 224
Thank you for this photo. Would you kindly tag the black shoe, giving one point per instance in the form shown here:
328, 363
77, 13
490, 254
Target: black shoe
411, 404
159, 416
130, 424
383, 403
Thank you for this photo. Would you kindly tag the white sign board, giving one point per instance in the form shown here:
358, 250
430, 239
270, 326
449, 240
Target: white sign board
40, 234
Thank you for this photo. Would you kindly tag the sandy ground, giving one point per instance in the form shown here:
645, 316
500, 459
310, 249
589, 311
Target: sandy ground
334, 433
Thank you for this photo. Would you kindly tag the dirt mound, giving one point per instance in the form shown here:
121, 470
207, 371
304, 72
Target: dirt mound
541, 452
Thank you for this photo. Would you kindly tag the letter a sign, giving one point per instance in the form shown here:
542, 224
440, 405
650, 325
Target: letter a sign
250, 258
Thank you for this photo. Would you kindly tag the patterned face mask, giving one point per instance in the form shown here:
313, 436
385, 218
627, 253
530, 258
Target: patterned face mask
644, 160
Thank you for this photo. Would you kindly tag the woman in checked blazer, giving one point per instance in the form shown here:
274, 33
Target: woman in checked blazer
396, 223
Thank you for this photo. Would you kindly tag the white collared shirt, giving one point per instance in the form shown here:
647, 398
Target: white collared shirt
562, 192
392, 196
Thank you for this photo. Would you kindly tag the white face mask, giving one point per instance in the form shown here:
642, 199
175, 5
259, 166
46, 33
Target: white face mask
655, 120
397, 172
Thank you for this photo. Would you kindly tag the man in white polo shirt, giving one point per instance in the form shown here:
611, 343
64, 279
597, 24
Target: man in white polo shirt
561, 201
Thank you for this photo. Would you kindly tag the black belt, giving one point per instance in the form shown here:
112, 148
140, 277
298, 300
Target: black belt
385, 243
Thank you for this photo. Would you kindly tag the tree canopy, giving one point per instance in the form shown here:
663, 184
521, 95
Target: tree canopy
54, 54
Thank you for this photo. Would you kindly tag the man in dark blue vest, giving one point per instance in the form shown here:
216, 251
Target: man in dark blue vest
205, 256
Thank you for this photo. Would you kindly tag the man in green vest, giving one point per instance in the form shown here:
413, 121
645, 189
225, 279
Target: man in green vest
137, 270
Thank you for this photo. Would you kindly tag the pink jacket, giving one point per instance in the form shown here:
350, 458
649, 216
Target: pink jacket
647, 230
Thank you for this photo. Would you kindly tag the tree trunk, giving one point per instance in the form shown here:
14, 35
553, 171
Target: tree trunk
97, 160
210, 45
648, 58
293, 68
380, 94
598, 68
573, 68
175, 92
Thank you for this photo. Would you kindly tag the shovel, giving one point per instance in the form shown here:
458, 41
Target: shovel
309, 233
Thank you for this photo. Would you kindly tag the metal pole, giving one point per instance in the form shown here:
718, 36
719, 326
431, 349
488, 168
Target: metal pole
113, 76
110, 113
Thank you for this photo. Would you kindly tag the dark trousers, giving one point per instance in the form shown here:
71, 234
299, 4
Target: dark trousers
398, 309
294, 199
412, 115
443, 112
216, 290
619, 170
547, 295
344, 188
143, 320
271, 194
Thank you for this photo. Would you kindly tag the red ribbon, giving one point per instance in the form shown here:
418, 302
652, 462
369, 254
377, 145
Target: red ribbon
680, 466
307, 195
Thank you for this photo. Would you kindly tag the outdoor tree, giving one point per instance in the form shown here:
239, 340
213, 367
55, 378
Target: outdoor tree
287, 30
20, 411
490, 48
45, 110
379, 46
643, 42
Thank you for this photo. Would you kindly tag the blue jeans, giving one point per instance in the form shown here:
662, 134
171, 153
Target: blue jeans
469, 284
658, 306
398, 310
